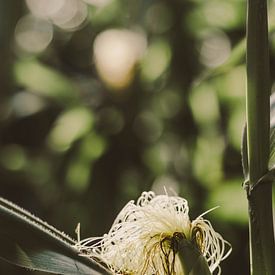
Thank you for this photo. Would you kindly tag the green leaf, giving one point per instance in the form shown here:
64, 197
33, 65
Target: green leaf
244, 154
271, 163
29, 242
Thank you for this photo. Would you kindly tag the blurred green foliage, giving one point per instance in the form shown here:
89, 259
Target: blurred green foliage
90, 118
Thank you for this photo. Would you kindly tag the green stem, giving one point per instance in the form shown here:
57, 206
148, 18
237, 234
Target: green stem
258, 126
191, 258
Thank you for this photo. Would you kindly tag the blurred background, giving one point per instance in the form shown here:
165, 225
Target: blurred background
103, 99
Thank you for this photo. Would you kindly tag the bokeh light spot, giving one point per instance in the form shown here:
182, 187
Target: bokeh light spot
70, 126
204, 105
92, 147
220, 13
32, 34
24, 104
210, 173
156, 60
44, 9
116, 52
215, 49
13, 157
71, 15
78, 175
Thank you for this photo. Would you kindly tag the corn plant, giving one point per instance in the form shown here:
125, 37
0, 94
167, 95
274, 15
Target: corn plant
155, 235
256, 144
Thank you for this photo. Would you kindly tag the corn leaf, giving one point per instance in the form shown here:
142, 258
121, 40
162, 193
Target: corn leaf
271, 164
29, 242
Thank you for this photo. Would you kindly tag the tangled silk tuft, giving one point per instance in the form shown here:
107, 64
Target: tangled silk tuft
143, 238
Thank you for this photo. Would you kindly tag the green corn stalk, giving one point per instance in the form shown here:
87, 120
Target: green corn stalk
259, 189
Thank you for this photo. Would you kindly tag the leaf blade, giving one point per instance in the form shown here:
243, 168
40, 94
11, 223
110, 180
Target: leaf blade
29, 242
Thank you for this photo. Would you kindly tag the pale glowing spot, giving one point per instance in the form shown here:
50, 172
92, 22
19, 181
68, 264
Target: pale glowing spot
32, 34
71, 15
66, 14
25, 104
44, 8
116, 52
215, 49
70, 126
